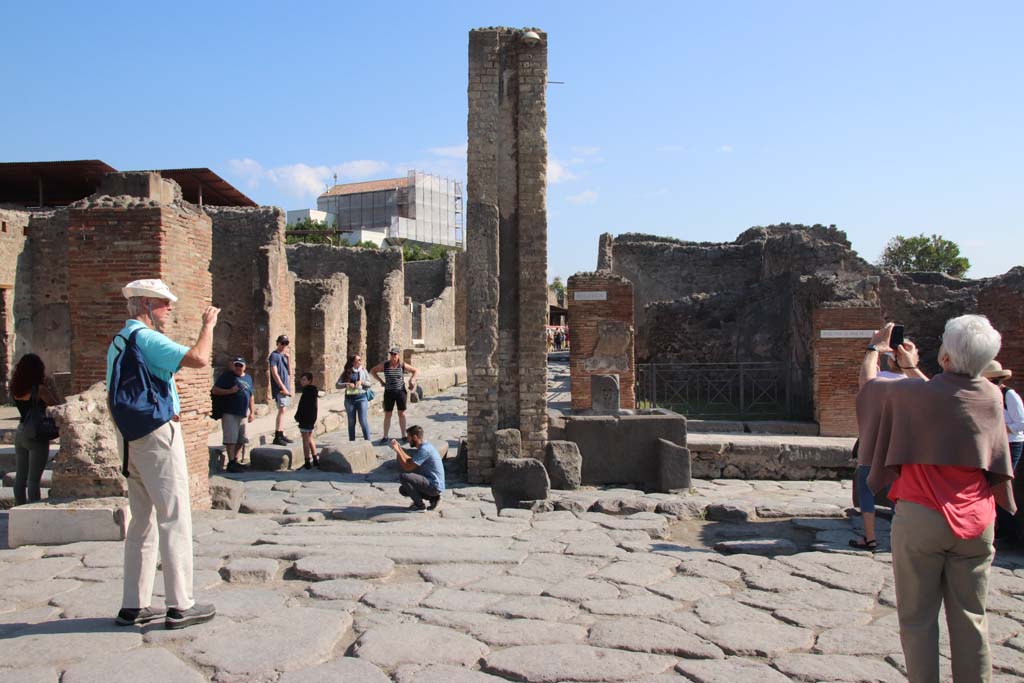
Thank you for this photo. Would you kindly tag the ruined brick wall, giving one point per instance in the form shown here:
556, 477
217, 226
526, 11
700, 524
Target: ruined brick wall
601, 320
425, 280
48, 316
251, 287
459, 267
507, 250
376, 275
321, 328
113, 240
13, 225
837, 364
1002, 301
605, 254
13, 258
431, 286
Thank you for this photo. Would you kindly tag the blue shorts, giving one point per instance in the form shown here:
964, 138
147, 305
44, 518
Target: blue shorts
306, 430
864, 495
282, 401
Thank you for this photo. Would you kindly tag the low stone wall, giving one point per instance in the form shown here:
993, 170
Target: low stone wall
732, 456
439, 368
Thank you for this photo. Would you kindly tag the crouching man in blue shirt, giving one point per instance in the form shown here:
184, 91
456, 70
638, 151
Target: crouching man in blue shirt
422, 471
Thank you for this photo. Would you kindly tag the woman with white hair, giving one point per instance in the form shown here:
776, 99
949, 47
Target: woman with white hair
942, 446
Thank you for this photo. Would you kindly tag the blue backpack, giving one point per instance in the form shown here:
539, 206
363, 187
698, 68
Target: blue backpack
139, 402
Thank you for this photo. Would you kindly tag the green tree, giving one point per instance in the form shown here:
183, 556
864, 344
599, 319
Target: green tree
558, 287
309, 231
416, 252
922, 253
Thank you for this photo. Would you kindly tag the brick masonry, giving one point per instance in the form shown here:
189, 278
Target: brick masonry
112, 241
837, 366
506, 270
321, 328
602, 335
1003, 303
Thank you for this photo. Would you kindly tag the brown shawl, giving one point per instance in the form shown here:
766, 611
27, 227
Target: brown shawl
951, 420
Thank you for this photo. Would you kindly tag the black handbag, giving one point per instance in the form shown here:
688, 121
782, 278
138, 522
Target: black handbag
37, 426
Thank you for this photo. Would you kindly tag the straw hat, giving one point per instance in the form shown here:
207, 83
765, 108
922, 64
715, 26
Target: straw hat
995, 371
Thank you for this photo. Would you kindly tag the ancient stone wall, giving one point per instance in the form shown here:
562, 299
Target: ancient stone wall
13, 258
1002, 300
838, 353
431, 287
601, 319
425, 280
507, 255
251, 287
321, 328
113, 240
357, 328
376, 275
459, 266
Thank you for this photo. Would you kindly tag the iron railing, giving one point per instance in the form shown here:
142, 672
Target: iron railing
716, 390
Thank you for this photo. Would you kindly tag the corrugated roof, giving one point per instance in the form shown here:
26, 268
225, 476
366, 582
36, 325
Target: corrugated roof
368, 186
215, 190
59, 183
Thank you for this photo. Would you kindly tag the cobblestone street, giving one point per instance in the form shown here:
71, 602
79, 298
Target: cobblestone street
329, 578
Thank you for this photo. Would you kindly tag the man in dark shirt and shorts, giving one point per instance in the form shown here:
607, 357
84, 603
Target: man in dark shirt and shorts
239, 408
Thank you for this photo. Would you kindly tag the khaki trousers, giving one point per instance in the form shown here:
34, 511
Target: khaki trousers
160, 506
931, 567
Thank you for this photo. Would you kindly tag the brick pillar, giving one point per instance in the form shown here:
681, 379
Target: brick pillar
1003, 304
601, 333
840, 338
115, 241
506, 270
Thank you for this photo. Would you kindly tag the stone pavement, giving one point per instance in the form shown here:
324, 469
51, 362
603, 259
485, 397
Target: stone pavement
329, 578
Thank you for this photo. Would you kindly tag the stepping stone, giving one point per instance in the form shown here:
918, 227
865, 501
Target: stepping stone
130, 667
270, 458
842, 668
647, 635
324, 568
554, 663
392, 646
758, 546
250, 570
339, 589
794, 509
344, 669
731, 670
509, 632
285, 640
741, 639
441, 674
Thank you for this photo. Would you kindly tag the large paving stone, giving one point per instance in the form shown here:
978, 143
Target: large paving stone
91, 600
556, 568
460, 600
285, 640
553, 663
37, 570
741, 639
689, 588
509, 632
772, 579
441, 673
823, 619
398, 595
131, 667
731, 670
534, 607
859, 640
339, 589
39, 592
709, 569
325, 568
844, 668
245, 603
644, 605
634, 573
340, 670
578, 590
718, 611
509, 585
226, 494
250, 570
647, 635
456, 575
460, 621
263, 504
67, 640
758, 546
392, 646
821, 598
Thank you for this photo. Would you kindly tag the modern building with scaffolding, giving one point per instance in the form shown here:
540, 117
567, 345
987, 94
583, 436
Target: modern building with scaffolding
420, 208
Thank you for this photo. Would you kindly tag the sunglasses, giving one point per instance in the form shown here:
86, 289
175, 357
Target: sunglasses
239, 365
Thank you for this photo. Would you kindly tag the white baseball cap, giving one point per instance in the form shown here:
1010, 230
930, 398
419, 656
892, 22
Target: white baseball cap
153, 288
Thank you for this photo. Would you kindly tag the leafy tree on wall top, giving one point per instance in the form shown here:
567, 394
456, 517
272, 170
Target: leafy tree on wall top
309, 231
558, 287
924, 254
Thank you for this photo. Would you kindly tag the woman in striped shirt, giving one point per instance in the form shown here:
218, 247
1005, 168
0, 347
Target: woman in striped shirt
394, 388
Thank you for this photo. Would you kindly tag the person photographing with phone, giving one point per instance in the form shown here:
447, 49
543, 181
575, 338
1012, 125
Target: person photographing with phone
941, 445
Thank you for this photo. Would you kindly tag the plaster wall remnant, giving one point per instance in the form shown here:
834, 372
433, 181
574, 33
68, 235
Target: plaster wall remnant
321, 328
754, 299
116, 239
601, 316
357, 328
252, 287
506, 272
376, 275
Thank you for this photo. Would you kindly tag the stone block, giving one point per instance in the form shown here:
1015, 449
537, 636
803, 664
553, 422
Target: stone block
519, 479
88, 464
564, 464
270, 458
508, 445
88, 519
226, 494
783, 427
349, 457
673, 466
604, 394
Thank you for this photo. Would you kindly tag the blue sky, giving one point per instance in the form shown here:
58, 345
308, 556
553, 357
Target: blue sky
692, 120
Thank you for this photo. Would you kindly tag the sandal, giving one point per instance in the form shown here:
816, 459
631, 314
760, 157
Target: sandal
863, 543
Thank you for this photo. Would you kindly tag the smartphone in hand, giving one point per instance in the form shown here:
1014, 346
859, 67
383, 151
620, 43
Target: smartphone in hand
896, 338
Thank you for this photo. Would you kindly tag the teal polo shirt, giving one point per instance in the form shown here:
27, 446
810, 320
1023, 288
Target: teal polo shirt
163, 356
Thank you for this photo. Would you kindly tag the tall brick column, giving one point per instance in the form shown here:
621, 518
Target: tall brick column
840, 338
506, 217
601, 335
114, 240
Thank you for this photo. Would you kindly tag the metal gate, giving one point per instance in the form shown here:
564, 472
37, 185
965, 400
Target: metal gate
716, 390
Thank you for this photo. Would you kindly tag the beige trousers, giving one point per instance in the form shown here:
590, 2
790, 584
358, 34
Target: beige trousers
160, 506
931, 567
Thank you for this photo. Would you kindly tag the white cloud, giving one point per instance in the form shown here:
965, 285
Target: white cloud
558, 172
585, 197
451, 152
727, 149
302, 181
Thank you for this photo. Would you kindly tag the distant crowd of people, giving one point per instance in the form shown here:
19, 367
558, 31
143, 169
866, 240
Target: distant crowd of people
557, 338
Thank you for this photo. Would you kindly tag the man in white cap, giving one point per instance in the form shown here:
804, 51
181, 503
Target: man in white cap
157, 470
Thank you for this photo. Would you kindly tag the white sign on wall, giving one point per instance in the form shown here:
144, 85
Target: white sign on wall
847, 334
590, 296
